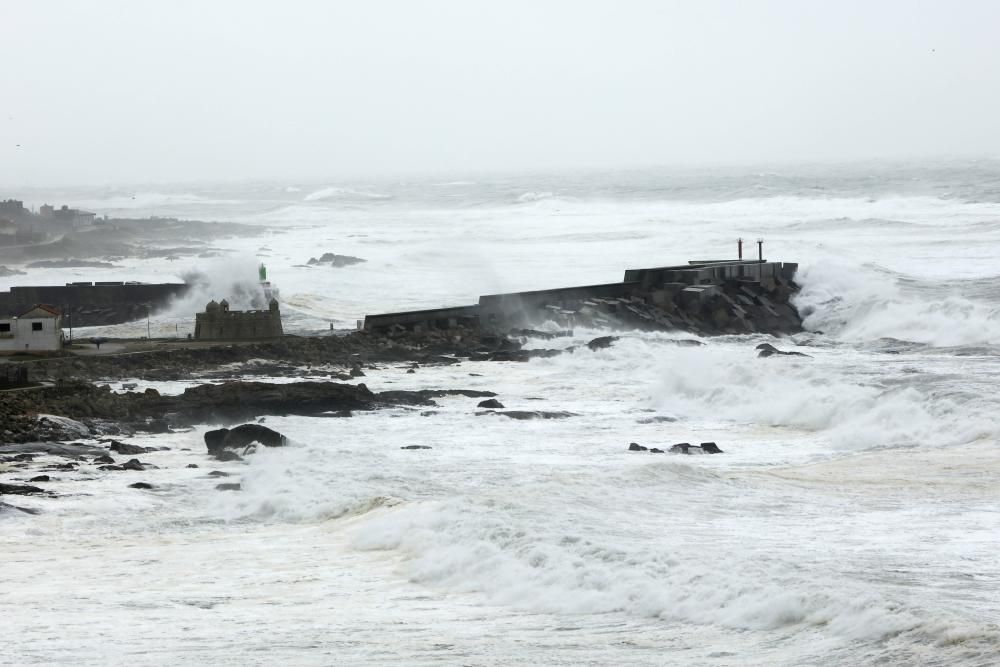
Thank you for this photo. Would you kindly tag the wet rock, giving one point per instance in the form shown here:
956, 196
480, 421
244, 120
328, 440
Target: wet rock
214, 439
140, 485
681, 448
104, 458
40, 478
768, 350
19, 489
133, 464
491, 403
227, 455
243, 436
356, 372
158, 426
4, 507
229, 486
191, 465
218, 473
129, 450
710, 448
658, 419
636, 447
415, 447
529, 414
602, 342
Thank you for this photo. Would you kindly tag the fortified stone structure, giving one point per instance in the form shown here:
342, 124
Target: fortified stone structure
707, 297
220, 323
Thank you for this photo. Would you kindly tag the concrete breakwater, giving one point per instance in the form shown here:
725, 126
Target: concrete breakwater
710, 297
87, 304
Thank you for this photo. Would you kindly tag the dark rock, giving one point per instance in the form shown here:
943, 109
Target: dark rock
415, 447
158, 426
5, 507
227, 455
602, 342
19, 489
133, 464
191, 465
529, 414
636, 447
654, 450
129, 450
681, 448
247, 434
140, 485
768, 350
229, 486
24, 457
70, 450
149, 392
218, 473
103, 458
110, 468
658, 419
710, 448
40, 478
491, 403
356, 372
215, 439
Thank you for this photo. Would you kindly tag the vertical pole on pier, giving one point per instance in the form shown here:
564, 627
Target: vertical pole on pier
760, 249
147, 321
739, 247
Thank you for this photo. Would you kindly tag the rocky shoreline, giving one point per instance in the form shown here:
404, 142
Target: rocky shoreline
73, 421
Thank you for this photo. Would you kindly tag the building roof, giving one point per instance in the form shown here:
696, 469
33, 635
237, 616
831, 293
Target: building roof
41, 310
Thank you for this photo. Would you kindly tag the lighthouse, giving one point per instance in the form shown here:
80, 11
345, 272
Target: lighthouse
265, 284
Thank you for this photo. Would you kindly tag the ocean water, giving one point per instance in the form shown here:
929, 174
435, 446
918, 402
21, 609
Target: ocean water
853, 518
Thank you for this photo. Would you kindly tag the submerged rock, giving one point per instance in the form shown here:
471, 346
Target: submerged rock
140, 485
416, 447
229, 486
491, 403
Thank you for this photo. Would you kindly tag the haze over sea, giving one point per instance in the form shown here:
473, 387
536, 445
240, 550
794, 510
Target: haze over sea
853, 518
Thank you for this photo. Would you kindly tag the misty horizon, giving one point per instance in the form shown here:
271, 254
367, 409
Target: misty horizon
115, 93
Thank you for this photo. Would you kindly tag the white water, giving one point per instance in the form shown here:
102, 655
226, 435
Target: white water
852, 519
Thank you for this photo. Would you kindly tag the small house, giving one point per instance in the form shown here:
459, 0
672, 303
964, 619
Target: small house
37, 330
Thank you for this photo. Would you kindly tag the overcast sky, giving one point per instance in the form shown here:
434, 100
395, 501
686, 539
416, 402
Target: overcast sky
138, 91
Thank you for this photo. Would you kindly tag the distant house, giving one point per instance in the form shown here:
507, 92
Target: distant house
12, 207
37, 330
72, 216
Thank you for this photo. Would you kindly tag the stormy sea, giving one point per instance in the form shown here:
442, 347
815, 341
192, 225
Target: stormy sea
852, 518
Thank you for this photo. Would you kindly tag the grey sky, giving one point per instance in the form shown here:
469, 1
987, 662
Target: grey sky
121, 92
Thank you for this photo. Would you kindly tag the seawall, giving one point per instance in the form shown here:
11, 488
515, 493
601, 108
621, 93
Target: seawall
94, 304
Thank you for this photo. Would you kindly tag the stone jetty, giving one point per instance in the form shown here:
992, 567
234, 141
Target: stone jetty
710, 297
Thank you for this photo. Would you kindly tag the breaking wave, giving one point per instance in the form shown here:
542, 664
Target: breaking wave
863, 303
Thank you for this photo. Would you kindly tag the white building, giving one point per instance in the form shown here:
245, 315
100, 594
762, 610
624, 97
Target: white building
37, 330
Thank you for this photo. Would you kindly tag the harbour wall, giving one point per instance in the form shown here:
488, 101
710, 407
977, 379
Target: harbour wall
94, 304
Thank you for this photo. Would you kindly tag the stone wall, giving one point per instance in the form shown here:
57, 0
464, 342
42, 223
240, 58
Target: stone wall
220, 323
94, 304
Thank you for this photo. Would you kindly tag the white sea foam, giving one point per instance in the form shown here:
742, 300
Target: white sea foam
851, 519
